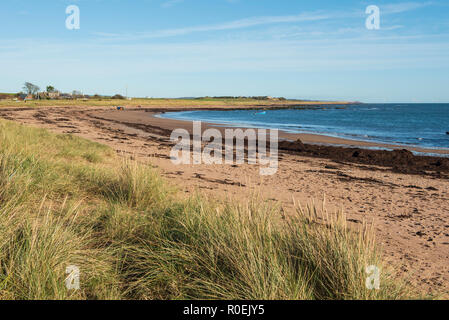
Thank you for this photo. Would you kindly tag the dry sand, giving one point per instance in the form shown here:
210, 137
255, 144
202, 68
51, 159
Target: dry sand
410, 211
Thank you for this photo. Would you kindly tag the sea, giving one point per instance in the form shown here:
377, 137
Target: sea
419, 125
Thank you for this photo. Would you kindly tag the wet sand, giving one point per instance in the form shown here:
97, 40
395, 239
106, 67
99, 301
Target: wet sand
318, 146
406, 197
152, 118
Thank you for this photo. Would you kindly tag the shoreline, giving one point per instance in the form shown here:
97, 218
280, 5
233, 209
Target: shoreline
152, 118
328, 140
400, 159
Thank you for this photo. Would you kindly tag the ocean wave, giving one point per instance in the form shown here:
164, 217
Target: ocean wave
385, 123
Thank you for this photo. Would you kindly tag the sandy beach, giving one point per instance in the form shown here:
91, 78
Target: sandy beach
154, 119
406, 197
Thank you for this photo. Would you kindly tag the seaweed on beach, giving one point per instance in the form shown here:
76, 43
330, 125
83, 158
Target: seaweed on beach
399, 160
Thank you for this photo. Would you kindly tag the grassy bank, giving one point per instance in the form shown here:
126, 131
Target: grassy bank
67, 201
160, 103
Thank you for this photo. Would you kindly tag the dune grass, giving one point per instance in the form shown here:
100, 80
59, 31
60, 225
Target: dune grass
67, 201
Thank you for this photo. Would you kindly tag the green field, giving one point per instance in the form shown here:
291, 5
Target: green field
166, 103
68, 201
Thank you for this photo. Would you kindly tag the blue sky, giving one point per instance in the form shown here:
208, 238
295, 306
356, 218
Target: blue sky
175, 48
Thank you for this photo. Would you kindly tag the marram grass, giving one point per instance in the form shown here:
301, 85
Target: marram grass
67, 201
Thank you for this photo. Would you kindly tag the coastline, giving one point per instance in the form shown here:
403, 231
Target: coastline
404, 196
321, 139
399, 158
149, 117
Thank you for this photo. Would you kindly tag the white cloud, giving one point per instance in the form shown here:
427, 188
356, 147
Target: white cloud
403, 7
258, 21
232, 25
